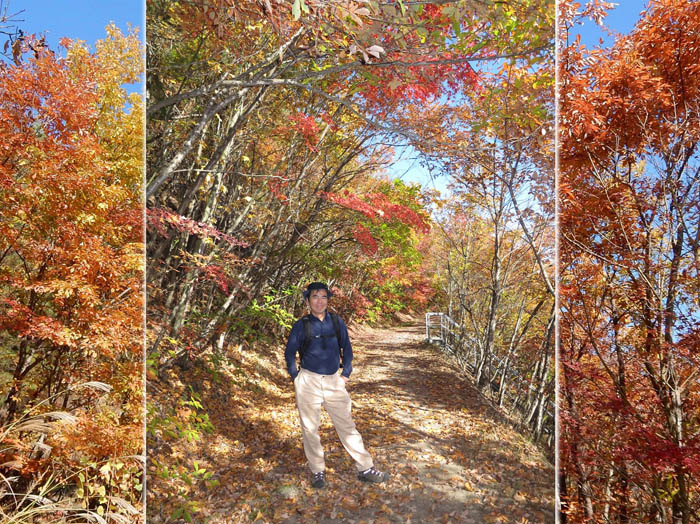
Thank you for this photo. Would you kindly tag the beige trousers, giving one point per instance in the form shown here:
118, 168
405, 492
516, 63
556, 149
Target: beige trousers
313, 391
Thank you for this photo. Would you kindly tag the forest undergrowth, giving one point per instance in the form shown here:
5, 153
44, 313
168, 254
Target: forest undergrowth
232, 451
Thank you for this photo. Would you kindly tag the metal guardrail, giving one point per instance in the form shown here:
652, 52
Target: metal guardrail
449, 335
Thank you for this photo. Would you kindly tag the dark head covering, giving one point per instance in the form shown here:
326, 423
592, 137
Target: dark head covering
316, 285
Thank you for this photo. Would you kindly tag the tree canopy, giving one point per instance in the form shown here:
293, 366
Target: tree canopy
629, 269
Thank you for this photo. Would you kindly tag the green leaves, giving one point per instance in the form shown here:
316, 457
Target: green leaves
297, 7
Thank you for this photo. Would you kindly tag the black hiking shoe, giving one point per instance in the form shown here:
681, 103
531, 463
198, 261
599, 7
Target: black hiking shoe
319, 480
372, 475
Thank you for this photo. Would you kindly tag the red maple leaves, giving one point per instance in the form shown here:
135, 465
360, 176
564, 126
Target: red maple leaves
160, 220
378, 208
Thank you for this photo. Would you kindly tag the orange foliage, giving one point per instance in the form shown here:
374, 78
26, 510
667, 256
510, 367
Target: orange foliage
629, 173
71, 265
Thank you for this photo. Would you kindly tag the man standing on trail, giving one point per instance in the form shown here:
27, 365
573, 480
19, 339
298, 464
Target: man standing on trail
319, 337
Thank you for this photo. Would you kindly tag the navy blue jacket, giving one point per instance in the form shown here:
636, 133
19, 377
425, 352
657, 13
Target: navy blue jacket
321, 355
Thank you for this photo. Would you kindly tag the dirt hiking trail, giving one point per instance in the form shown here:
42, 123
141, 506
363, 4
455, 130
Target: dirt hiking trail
452, 458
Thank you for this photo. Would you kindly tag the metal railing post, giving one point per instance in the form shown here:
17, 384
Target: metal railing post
448, 339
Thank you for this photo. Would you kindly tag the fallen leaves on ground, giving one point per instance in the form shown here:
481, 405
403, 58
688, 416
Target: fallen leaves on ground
452, 457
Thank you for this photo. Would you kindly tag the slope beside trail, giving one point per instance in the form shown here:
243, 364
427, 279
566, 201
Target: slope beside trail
452, 457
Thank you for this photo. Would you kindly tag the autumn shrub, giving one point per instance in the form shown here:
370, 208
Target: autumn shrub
71, 271
64, 465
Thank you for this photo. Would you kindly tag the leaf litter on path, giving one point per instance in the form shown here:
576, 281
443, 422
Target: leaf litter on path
452, 458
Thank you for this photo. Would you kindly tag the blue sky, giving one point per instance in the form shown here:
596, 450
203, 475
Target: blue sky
76, 19
408, 169
620, 19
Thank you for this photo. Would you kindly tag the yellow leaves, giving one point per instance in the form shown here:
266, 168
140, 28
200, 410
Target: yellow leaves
120, 58
77, 56
117, 62
85, 218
